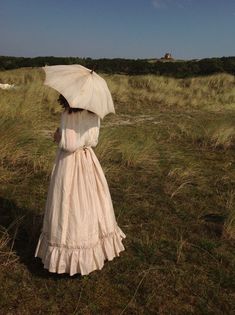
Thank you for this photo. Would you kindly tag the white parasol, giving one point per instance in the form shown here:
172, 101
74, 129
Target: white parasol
82, 88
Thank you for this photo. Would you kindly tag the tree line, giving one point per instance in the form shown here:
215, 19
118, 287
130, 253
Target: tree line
178, 69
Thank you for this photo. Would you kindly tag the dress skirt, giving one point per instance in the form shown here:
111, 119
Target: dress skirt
79, 226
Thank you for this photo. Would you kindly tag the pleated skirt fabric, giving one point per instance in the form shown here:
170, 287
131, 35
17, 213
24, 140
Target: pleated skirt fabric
79, 230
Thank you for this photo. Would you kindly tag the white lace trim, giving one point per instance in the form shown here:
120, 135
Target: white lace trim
117, 233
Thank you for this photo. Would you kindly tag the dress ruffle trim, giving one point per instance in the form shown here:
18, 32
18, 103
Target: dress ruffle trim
83, 260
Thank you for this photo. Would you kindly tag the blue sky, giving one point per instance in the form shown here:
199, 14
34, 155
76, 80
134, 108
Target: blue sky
187, 29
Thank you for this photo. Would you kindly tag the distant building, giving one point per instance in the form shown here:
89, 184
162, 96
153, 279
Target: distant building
167, 56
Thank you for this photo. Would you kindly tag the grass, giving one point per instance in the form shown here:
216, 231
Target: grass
168, 156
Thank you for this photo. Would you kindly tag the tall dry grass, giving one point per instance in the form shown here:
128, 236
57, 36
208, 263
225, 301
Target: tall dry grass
168, 155
135, 93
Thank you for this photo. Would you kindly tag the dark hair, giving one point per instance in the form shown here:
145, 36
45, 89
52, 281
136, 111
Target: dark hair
64, 103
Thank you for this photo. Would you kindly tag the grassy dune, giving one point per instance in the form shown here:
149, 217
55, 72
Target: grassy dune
168, 156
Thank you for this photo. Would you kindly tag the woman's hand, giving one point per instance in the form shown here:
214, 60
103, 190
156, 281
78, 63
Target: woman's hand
57, 135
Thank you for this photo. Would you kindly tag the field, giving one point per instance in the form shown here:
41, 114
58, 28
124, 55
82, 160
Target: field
168, 156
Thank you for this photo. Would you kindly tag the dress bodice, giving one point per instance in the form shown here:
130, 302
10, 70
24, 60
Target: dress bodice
79, 129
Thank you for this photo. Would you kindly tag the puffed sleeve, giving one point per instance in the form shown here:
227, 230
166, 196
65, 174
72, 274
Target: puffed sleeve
68, 141
93, 134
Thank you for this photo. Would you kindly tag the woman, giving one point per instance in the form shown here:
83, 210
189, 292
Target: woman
79, 227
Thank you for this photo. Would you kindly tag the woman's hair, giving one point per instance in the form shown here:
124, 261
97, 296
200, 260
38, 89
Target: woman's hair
64, 103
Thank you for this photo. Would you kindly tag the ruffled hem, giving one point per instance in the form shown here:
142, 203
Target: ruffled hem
83, 260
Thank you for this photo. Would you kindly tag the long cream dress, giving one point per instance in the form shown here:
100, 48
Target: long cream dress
79, 229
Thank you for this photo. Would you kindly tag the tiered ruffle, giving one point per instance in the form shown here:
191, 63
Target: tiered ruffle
63, 259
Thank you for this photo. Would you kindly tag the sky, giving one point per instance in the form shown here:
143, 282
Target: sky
187, 29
